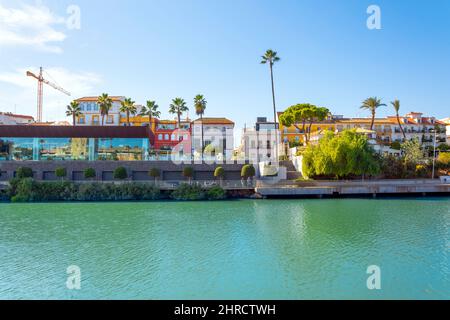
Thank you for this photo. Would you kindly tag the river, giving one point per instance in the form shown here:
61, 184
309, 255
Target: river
266, 249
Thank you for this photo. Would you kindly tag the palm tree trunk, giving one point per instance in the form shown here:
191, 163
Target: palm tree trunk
179, 119
128, 118
103, 120
373, 120
203, 143
274, 112
401, 127
74, 120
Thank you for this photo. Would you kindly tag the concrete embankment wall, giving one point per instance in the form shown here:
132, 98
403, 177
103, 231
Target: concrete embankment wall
336, 189
137, 170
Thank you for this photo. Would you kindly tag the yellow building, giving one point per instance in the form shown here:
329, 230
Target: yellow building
387, 130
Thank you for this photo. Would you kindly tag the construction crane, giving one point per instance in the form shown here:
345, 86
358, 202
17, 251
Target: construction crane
41, 81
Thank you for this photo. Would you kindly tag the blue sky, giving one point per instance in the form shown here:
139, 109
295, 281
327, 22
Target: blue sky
160, 50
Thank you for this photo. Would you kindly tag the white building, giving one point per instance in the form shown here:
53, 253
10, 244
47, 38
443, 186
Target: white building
447, 122
15, 119
217, 133
91, 112
259, 143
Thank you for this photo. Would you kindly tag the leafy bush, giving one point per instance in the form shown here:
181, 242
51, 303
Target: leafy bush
28, 190
89, 173
443, 147
396, 145
189, 192
422, 171
248, 171
120, 173
24, 172
444, 158
216, 193
61, 172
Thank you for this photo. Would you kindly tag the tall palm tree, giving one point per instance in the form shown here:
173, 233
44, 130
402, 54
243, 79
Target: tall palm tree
74, 111
200, 107
128, 107
270, 58
105, 104
372, 104
396, 105
150, 111
178, 107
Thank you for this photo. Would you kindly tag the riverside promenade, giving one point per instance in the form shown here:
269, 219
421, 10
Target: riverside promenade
353, 188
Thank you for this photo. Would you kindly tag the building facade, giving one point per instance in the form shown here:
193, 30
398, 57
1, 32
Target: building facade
218, 137
7, 118
68, 143
387, 130
90, 112
259, 142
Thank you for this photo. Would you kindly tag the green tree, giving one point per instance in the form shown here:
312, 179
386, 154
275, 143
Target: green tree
61, 172
271, 57
155, 173
341, 155
128, 107
74, 111
178, 107
200, 107
413, 152
120, 173
219, 173
396, 105
105, 105
372, 104
24, 172
150, 111
303, 114
188, 172
248, 171
89, 173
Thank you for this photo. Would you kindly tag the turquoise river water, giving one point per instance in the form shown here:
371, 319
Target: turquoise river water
268, 249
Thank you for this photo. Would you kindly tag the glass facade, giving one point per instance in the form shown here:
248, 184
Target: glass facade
60, 149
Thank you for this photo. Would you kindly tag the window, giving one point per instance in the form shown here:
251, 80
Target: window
95, 120
110, 120
160, 136
82, 108
173, 137
166, 136
81, 119
95, 107
88, 107
297, 139
16, 149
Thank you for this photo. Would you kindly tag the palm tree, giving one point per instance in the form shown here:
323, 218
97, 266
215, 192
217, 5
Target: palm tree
178, 107
200, 107
128, 107
74, 111
150, 111
271, 57
105, 104
372, 104
396, 105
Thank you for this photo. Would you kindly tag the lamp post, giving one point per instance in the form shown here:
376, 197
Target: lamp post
434, 154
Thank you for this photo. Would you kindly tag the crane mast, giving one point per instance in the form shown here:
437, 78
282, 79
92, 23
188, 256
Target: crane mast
40, 92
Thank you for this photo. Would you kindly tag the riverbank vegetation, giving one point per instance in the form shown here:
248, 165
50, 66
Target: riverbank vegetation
349, 155
29, 190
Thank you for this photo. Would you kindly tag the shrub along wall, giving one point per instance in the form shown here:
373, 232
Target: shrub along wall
29, 190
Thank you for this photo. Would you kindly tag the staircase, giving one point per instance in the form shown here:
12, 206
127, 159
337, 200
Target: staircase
292, 173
